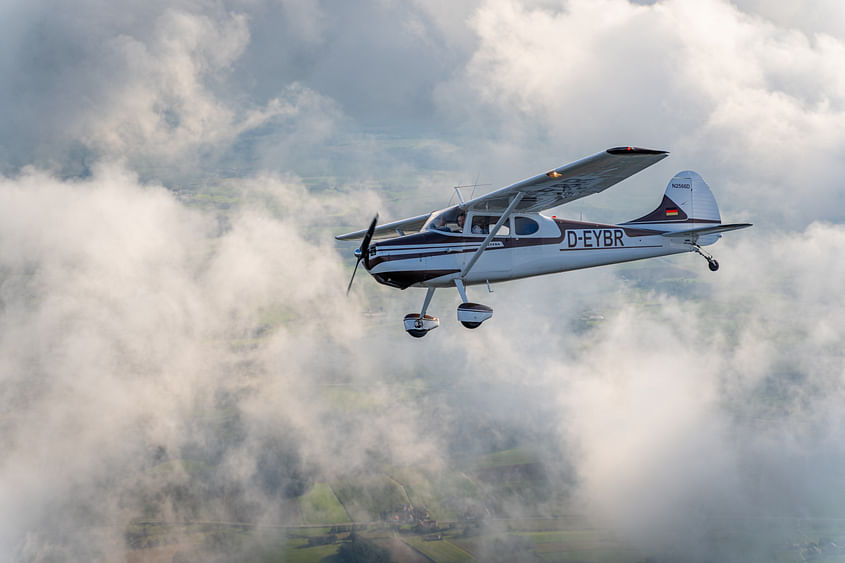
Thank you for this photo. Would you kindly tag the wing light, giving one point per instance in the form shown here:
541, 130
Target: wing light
554, 174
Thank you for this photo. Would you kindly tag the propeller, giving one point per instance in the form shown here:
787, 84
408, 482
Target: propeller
363, 253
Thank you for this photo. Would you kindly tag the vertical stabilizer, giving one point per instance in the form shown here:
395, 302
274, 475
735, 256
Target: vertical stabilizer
688, 201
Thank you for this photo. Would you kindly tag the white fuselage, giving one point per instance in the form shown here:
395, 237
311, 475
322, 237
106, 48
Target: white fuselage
435, 259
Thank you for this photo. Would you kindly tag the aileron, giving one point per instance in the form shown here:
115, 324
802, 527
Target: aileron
573, 181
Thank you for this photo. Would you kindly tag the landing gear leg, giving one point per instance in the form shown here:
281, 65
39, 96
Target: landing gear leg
428, 295
461, 290
711, 262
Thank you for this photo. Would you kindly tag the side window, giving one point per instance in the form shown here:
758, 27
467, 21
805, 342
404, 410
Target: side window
525, 226
504, 230
481, 225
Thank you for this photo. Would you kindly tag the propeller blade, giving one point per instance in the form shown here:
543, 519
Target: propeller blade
363, 252
365, 244
352, 279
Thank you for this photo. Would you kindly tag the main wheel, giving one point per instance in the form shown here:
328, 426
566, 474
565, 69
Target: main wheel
713, 265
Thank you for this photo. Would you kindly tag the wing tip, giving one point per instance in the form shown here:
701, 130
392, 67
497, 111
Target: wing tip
635, 151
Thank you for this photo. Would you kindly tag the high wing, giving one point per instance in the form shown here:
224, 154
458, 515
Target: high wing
587, 176
573, 181
411, 224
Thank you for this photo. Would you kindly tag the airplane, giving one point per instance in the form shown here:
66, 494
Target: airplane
502, 235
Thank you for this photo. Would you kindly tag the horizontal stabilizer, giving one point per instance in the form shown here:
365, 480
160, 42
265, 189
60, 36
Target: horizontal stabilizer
695, 233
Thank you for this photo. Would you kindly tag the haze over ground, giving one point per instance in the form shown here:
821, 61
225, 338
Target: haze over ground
123, 298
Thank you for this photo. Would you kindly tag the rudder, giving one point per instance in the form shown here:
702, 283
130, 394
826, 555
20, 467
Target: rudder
687, 200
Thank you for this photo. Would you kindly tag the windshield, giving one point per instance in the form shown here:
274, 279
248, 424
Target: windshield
449, 221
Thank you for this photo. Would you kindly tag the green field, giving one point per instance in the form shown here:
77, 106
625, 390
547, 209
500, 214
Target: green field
366, 497
321, 506
442, 493
514, 456
441, 551
297, 552
581, 545
562, 545
349, 399
446, 492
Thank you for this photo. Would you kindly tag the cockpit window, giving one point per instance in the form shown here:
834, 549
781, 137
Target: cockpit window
453, 220
449, 221
525, 226
480, 225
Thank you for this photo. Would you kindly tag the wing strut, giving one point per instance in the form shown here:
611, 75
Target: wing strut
490, 236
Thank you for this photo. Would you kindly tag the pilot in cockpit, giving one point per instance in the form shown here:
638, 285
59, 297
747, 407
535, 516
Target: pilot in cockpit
441, 224
462, 217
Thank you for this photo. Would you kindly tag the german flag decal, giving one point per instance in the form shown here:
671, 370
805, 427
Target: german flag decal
673, 212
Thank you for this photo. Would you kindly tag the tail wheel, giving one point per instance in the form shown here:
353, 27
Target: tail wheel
713, 265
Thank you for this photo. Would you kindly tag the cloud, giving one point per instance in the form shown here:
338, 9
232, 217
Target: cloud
127, 315
812, 19
760, 105
162, 105
152, 86
683, 415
